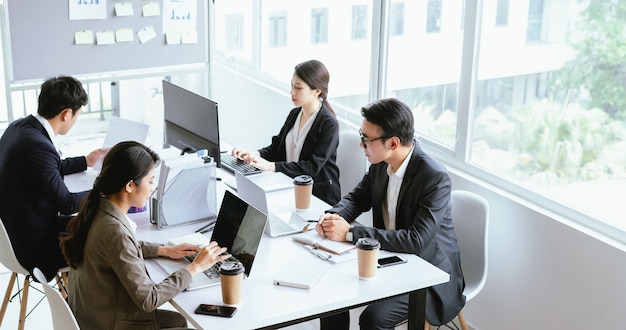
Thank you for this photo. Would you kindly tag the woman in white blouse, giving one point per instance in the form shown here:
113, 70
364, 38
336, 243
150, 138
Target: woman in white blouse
307, 142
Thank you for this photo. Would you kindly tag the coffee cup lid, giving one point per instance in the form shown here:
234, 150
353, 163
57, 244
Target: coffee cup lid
303, 180
231, 268
367, 243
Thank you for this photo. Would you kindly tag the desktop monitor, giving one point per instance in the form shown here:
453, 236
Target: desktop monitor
191, 121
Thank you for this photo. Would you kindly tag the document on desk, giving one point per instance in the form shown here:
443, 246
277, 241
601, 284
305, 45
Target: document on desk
300, 273
320, 242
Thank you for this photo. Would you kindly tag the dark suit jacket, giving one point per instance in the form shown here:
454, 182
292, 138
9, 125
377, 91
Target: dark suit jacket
111, 288
423, 225
317, 158
33, 193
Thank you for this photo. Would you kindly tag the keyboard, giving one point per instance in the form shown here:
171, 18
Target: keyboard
213, 271
233, 164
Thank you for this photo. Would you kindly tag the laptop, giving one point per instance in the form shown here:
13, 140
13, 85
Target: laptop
269, 181
277, 224
239, 227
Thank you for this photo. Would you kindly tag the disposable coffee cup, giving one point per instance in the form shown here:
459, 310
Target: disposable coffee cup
367, 255
231, 279
303, 189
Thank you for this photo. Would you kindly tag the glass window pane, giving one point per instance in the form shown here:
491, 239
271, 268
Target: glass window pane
359, 22
423, 69
319, 25
233, 29
550, 116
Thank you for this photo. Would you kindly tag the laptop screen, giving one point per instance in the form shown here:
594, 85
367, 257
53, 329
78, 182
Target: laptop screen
239, 228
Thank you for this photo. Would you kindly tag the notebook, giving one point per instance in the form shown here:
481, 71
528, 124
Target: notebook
239, 227
277, 224
300, 273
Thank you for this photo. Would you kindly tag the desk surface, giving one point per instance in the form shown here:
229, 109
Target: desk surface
265, 304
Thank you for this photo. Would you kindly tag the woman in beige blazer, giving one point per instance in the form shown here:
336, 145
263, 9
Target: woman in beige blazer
109, 286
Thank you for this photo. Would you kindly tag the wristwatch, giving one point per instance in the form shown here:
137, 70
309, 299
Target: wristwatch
349, 235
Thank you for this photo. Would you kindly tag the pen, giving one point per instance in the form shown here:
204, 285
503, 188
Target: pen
311, 221
318, 253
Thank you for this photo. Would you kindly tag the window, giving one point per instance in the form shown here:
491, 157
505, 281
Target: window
502, 13
424, 72
234, 32
359, 22
278, 29
433, 16
535, 20
319, 25
396, 19
540, 110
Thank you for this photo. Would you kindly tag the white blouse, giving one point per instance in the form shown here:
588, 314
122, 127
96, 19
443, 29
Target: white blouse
295, 139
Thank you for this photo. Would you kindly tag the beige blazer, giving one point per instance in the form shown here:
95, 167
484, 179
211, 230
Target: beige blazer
111, 288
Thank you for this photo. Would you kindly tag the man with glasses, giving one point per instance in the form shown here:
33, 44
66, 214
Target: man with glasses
409, 194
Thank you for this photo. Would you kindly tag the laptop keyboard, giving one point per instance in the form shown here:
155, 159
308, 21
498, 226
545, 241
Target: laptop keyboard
213, 271
233, 163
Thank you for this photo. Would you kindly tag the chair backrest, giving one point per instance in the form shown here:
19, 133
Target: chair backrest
350, 160
7, 255
62, 316
470, 215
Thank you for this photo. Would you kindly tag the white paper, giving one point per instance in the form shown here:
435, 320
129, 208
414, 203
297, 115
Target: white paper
124, 9
105, 37
124, 35
87, 9
151, 9
180, 15
146, 34
84, 37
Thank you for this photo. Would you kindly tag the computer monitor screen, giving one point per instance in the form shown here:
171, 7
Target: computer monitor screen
191, 121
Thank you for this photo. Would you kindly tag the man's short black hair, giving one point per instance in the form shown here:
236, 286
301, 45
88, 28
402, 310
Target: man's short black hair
60, 93
393, 116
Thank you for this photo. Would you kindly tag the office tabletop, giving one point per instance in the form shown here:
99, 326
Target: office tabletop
265, 305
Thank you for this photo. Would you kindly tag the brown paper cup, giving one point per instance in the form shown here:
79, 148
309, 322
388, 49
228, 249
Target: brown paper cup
367, 255
303, 189
231, 279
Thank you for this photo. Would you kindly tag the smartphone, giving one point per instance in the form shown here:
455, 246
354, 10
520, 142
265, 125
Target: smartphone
390, 261
216, 310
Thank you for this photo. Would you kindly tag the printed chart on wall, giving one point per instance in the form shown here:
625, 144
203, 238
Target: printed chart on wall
84, 37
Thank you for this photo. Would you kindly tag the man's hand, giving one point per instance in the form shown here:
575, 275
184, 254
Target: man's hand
332, 226
93, 156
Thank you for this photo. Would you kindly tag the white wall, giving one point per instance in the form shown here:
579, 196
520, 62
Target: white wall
543, 273
249, 114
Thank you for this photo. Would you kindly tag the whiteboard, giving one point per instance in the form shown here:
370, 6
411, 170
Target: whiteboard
41, 40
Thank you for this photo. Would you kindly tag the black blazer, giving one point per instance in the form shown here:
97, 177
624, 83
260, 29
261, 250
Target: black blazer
33, 194
317, 158
423, 225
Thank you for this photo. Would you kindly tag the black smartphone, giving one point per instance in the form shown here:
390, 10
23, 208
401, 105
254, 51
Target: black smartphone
216, 310
390, 261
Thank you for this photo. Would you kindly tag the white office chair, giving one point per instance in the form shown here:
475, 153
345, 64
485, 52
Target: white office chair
470, 216
62, 316
350, 160
9, 260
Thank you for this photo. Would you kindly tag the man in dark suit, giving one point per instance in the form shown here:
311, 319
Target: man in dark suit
409, 194
35, 203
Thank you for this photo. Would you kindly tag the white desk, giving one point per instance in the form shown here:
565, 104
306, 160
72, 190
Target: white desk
267, 306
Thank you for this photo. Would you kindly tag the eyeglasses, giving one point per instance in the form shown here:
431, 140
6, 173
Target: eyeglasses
365, 141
